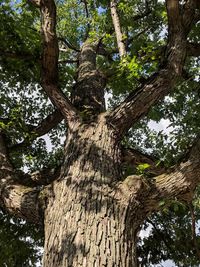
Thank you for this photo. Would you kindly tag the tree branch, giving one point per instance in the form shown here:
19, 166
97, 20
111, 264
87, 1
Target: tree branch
117, 27
35, 2
189, 14
68, 44
193, 229
167, 241
138, 103
18, 55
24, 201
50, 61
68, 61
178, 183
47, 124
87, 15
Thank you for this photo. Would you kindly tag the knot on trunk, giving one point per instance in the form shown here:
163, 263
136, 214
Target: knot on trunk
133, 187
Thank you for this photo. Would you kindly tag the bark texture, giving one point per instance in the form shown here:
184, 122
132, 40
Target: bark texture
90, 215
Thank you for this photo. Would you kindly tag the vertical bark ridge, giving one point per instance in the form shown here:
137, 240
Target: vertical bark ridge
95, 230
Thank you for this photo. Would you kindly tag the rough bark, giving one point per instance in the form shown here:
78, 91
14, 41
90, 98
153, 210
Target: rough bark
27, 202
93, 220
90, 220
88, 92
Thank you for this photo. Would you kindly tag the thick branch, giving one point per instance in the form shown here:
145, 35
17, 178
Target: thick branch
174, 17
189, 14
178, 183
50, 61
138, 103
24, 201
117, 27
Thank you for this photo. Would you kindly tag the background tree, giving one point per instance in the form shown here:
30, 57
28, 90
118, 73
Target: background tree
93, 193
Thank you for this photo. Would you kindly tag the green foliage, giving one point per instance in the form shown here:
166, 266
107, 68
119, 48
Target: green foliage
141, 168
20, 94
170, 237
20, 243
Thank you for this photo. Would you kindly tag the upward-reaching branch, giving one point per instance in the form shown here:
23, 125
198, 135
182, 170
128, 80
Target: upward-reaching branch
138, 103
117, 27
50, 60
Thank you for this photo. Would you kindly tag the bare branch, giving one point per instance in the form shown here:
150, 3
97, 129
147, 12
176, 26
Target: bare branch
68, 61
117, 27
68, 44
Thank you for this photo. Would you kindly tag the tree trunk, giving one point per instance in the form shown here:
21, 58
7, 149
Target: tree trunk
88, 221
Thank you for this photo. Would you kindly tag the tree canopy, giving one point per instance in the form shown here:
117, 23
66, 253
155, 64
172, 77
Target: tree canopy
135, 42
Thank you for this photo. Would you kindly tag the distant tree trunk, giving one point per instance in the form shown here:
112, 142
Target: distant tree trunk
89, 221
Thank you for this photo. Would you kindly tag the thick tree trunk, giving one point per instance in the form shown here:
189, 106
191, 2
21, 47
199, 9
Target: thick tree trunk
89, 222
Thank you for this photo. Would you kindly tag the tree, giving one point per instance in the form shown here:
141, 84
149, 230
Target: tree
93, 202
